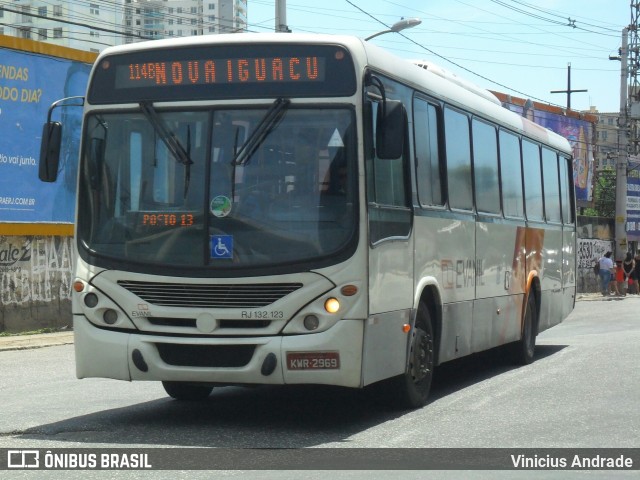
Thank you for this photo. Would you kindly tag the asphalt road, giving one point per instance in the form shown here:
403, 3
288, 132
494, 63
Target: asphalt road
583, 391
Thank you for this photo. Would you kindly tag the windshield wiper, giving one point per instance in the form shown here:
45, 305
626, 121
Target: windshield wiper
171, 141
262, 130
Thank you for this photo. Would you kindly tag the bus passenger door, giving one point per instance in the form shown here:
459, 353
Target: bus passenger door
390, 246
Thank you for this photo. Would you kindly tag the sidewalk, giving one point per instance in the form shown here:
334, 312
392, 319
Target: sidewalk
24, 342
591, 297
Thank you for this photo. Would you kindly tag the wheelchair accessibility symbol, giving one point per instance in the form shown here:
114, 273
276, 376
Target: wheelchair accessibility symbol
221, 246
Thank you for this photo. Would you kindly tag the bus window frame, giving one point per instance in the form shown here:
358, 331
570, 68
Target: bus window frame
496, 129
442, 167
467, 115
371, 101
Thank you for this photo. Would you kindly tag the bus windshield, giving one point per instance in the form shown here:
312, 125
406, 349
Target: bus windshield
218, 189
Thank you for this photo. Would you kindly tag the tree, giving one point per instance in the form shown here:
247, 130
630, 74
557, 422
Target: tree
604, 195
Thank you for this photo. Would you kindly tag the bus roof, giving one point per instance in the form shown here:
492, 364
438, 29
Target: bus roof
424, 76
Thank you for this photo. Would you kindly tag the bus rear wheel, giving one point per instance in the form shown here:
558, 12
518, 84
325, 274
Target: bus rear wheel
411, 390
523, 351
187, 391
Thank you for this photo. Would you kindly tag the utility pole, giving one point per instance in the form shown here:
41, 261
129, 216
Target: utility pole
281, 17
621, 164
568, 91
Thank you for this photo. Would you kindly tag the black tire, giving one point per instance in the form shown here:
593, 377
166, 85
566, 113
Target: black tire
411, 390
523, 351
187, 391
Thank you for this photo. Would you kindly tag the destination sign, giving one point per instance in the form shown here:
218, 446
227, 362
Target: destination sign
213, 72
229, 71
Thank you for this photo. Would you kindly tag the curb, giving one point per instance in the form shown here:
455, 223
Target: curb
26, 342
598, 297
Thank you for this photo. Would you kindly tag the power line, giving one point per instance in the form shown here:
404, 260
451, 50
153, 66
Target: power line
451, 61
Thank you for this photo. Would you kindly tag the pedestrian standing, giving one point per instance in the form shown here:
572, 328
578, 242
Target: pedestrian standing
620, 277
606, 265
636, 272
616, 278
628, 269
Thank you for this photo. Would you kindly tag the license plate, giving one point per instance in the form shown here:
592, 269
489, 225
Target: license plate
313, 360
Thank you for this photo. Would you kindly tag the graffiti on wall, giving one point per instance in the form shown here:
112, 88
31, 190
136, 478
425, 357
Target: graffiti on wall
591, 249
35, 269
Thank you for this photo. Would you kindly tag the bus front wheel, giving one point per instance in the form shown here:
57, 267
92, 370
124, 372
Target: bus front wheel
187, 391
411, 389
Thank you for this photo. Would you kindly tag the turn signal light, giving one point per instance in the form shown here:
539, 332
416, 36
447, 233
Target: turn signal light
349, 290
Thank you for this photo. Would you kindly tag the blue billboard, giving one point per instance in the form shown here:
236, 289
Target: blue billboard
29, 83
633, 203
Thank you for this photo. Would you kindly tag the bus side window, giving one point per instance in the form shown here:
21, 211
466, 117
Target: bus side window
428, 171
551, 186
566, 191
458, 150
485, 167
532, 180
511, 175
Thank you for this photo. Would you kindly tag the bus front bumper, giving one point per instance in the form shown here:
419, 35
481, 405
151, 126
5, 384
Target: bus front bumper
332, 357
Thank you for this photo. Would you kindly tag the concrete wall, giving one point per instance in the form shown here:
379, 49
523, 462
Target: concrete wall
595, 238
35, 282
589, 251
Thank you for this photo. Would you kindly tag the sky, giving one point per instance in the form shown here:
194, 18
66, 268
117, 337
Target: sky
519, 47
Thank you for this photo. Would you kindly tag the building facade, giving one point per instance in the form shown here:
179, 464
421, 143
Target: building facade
606, 151
96, 24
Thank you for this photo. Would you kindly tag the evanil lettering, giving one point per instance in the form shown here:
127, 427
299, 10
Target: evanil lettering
239, 70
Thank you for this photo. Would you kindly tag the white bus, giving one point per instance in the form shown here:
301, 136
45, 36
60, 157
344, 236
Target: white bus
307, 209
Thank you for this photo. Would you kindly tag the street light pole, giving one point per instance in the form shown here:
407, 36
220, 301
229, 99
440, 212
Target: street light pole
281, 17
398, 26
621, 164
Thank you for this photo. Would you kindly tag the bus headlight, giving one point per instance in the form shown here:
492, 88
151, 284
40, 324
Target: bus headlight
332, 305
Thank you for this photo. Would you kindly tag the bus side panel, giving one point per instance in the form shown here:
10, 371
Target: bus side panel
551, 301
569, 270
445, 250
496, 321
501, 259
456, 330
384, 333
390, 277
390, 305
500, 285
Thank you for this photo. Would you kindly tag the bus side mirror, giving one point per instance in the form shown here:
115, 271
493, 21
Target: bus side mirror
50, 151
390, 130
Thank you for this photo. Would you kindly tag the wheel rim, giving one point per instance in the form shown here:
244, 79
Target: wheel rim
422, 357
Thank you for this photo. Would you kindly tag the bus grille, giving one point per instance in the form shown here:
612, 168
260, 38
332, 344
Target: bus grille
210, 296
